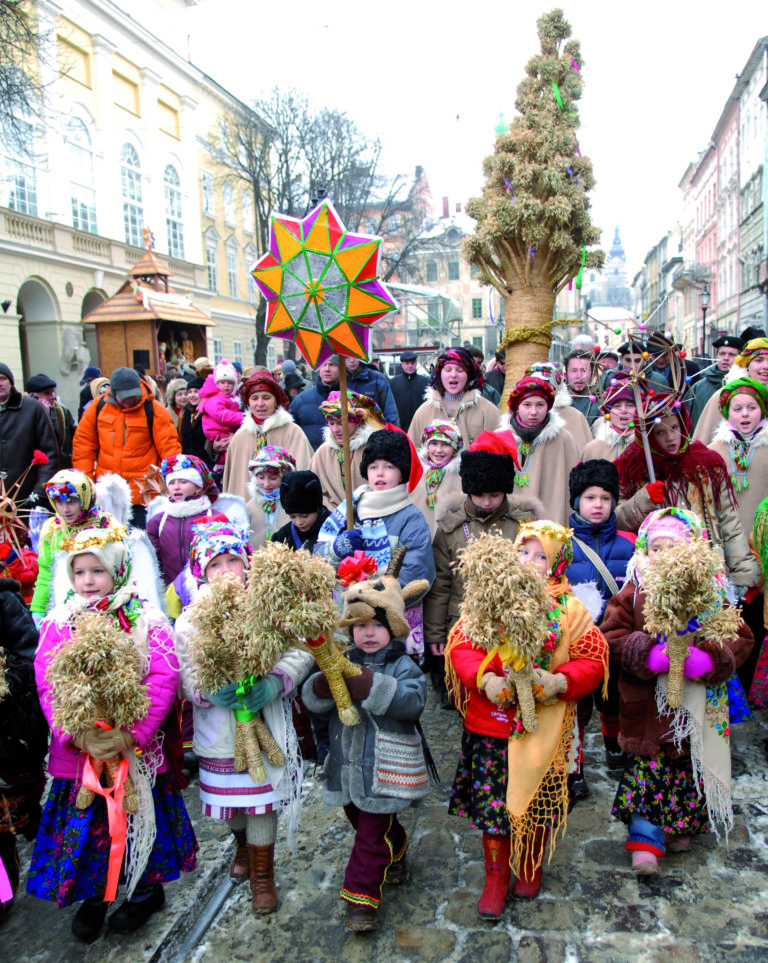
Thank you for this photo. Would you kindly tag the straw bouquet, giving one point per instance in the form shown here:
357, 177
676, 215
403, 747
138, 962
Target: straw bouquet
97, 678
683, 602
505, 610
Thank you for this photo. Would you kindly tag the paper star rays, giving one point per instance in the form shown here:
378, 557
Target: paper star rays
321, 285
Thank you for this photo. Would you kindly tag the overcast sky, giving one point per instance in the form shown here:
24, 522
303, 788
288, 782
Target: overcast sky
431, 78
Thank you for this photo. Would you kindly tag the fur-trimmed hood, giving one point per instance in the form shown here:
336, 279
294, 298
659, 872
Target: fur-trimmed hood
276, 420
452, 512
549, 432
113, 495
163, 504
563, 397
469, 400
724, 434
606, 433
357, 440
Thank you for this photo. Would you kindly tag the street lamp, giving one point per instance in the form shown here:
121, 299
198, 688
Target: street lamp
704, 297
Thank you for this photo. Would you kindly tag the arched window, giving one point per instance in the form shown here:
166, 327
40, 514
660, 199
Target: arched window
229, 204
130, 179
173, 218
18, 179
81, 192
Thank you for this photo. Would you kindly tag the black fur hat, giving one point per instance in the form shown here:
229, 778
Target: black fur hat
301, 493
490, 464
390, 445
596, 471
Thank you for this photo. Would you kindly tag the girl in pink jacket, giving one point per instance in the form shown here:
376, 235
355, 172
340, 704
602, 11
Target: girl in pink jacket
72, 854
220, 408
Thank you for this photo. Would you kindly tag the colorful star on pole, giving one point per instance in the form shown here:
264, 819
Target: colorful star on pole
321, 285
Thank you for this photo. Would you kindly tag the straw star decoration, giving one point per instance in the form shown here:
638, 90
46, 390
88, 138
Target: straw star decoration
321, 285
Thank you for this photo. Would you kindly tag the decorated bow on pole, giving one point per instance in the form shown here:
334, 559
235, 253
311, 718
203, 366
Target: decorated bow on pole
356, 568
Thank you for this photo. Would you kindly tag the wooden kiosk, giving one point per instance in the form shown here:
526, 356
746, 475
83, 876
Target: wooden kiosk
148, 323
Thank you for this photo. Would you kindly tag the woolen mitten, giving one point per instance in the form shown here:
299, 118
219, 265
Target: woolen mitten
360, 685
347, 543
263, 692
321, 687
226, 697
656, 492
658, 660
698, 663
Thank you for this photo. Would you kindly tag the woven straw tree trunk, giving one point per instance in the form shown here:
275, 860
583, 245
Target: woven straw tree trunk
533, 223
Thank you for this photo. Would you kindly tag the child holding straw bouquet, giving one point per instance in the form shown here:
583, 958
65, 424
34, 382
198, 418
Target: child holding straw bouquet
523, 652
107, 676
249, 805
676, 644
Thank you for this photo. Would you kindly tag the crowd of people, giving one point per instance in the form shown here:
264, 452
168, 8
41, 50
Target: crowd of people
127, 515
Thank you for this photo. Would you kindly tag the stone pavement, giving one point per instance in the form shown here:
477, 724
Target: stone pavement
709, 904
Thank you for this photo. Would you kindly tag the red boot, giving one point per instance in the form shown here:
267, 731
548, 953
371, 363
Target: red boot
490, 906
528, 882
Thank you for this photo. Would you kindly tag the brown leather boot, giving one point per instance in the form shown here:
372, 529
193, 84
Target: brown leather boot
262, 871
361, 918
239, 868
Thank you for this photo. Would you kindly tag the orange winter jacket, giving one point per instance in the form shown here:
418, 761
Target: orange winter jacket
118, 440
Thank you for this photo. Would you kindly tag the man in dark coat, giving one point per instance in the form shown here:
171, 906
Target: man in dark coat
305, 407
495, 377
408, 388
24, 427
710, 380
43, 388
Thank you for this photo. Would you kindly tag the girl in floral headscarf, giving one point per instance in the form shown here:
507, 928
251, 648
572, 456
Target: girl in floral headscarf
511, 783
73, 498
751, 363
72, 853
265, 513
441, 445
192, 492
455, 394
664, 797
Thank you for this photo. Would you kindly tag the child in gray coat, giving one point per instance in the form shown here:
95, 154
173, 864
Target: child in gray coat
377, 767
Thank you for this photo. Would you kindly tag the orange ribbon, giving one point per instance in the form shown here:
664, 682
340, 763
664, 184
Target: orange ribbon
356, 568
117, 821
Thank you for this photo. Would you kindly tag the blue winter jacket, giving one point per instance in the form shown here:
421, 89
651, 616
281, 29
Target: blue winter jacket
305, 409
614, 550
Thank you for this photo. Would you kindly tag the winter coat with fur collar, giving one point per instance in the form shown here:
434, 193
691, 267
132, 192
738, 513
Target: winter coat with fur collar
475, 414
750, 497
326, 465
280, 430
450, 483
392, 707
457, 522
545, 469
607, 443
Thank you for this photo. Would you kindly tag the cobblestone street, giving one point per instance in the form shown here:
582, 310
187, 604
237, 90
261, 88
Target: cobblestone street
709, 904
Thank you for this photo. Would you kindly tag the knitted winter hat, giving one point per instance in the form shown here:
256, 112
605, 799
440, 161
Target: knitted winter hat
301, 493
190, 468
528, 386
272, 456
555, 540
393, 445
196, 383
90, 373
224, 371
445, 431
98, 386
596, 471
70, 484
743, 386
172, 388
490, 464
212, 538
5, 370
383, 599
263, 381
125, 383
546, 371
109, 545
39, 382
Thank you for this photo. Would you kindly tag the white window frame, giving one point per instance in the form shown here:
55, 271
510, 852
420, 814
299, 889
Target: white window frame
218, 350
237, 351
131, 190
228, 193
80, 158
248, 213
206, 187
174, 219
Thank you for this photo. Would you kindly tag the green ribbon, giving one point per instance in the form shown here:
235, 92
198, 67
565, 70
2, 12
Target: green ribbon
244, 686
558, 97
581, 269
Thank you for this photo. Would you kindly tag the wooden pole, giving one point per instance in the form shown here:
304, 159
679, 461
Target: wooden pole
643, 433
345, 441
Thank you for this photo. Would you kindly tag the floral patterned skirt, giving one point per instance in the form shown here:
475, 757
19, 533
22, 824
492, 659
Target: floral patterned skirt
738, 707
71, 854
664, 792
480, 787
758, 691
